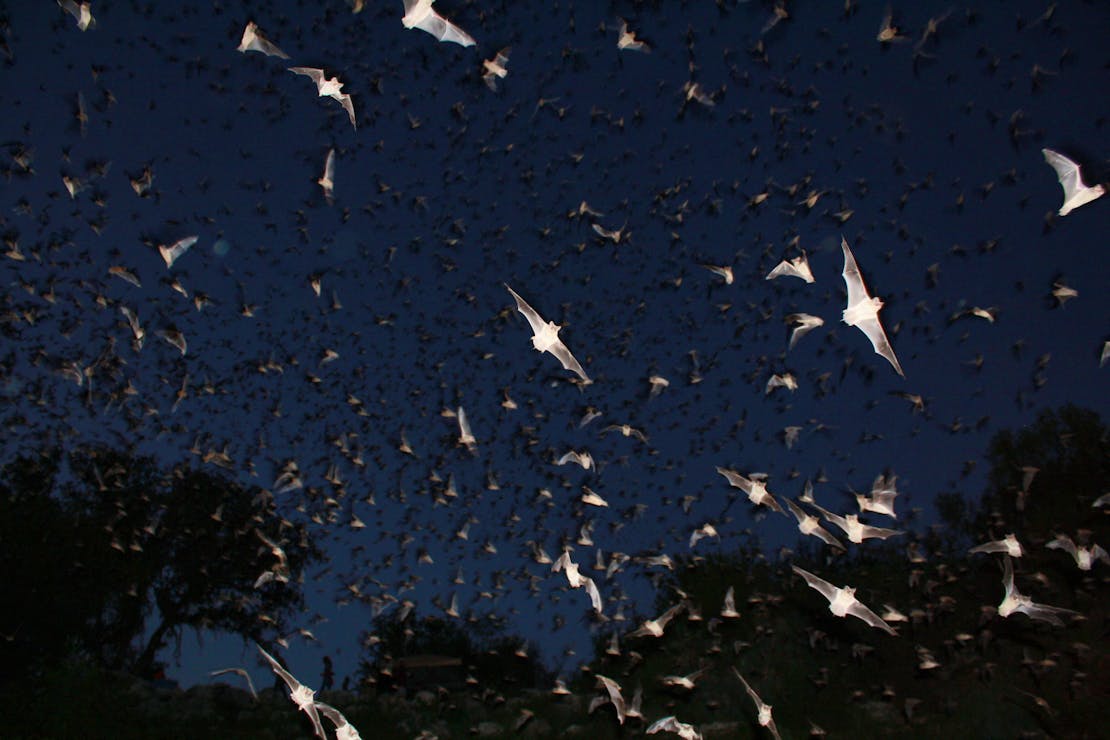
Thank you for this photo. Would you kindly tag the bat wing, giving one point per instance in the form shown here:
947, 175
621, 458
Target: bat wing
253, 40
310, 710
828, 538
998, 546
443, 29
614, 690
666, 724
567, 359
269, 48
874, 331
668, 615
782, 268
349, 105
1050, 614
1007, 576
773, 503
534, 319
820, 585
329, 166
333, 714
1062, 542
451, 32
796, 511
879, 532
751, 692
1067, 172
857, 291
736, 480
561, 563
285, 675
862, 612
316, 74
831, 517
595, 595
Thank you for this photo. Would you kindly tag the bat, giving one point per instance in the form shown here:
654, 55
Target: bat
843, 602
797, 267
764, 710
546, 337
1075, 192
298, 692
863, 310
328, 88
254, 40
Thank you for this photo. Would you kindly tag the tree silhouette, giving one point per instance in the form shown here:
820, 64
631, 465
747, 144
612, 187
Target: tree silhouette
489, 655
99, 542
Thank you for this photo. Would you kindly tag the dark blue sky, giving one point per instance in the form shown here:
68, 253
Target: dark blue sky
447, 191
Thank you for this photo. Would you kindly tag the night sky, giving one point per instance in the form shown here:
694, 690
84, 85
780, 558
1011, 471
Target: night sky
923, 153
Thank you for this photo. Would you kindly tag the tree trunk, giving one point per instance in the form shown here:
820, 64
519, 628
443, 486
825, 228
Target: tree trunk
145, 663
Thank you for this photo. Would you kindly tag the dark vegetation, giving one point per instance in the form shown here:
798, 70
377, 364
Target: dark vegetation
77, 596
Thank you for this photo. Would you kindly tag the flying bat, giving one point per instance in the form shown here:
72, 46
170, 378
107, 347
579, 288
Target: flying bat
327, 180
254, 40
803, 324
1085, 557
1009, 545
241, 672
81, 12
671, 724
495, 68
627, 40
174, 251
328, 88
419, 14
843, 602
754, 487
298, 692
1075, 192
811, 525
466, 437
546, 337
863, 310
883, 493
765, 719
655, 627
344, 730
856, 530
797, 267
1013, 601
614, 690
